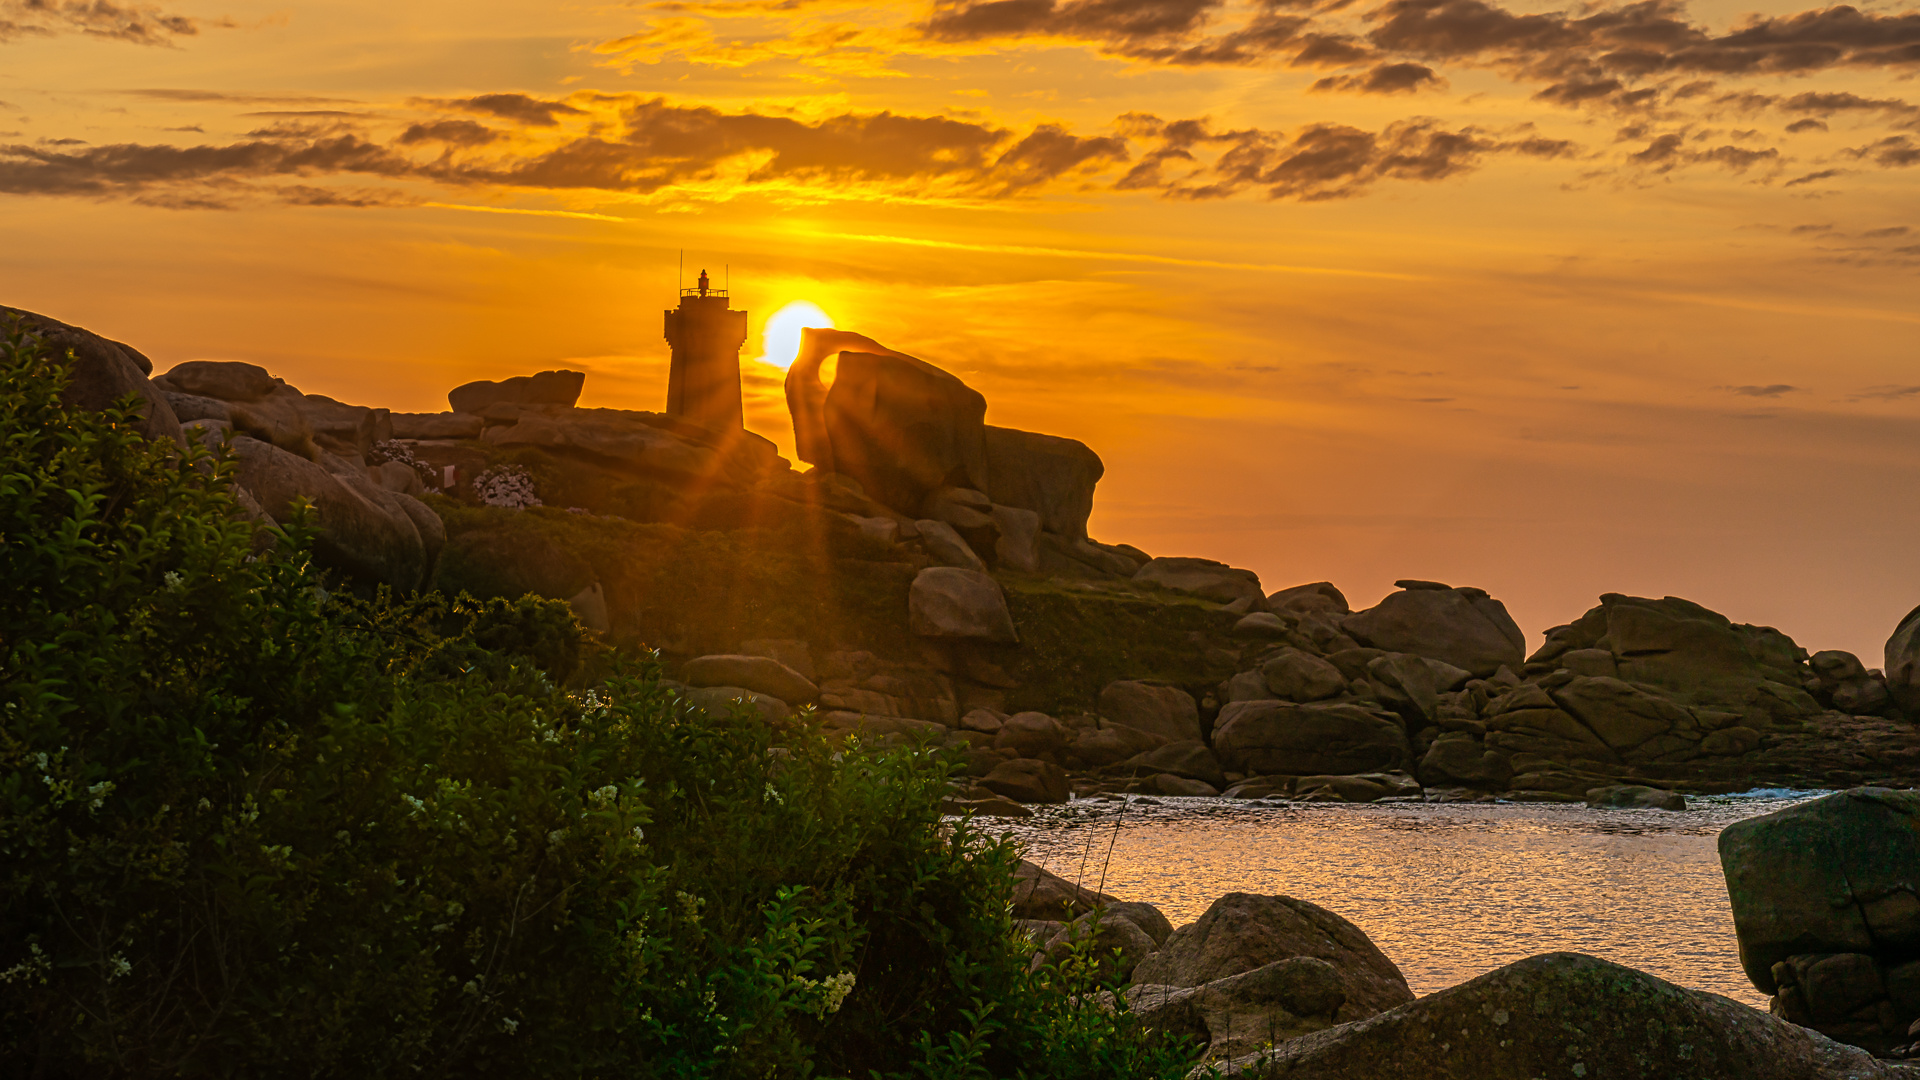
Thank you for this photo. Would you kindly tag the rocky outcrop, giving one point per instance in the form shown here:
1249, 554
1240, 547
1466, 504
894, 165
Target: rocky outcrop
1112, 940
1041, 894
648, 444
953, 603
1028, 781
1051, 476
1903, 664
101, 371
1463, 627
1240, 1015
560, 388
1241, 932
1635, 797
1564, 1014
1826, 903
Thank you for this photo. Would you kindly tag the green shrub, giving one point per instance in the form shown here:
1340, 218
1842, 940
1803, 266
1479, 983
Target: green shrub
251, 826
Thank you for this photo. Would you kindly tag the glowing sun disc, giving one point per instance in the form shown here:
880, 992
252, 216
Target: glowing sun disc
780, 342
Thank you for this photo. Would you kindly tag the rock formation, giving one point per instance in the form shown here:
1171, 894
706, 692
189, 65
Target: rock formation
101, 372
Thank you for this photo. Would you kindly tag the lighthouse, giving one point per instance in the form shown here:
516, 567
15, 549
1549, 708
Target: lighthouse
703, 383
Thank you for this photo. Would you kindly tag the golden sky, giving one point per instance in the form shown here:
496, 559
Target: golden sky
1551, 299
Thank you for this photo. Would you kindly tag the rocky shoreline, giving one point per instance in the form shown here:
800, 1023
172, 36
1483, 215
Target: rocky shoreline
1276, 986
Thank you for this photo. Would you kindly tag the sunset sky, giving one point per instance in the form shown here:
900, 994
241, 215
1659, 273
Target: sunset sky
1552, 300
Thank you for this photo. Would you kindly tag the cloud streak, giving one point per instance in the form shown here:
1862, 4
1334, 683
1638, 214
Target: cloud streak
135, 24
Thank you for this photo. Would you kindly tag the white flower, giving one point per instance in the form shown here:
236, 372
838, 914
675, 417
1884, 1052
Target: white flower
604, 795
509, 487
416, 804
119, 965
98, 794
509, 1025
639, 833
174, 579
556, 836
773, 795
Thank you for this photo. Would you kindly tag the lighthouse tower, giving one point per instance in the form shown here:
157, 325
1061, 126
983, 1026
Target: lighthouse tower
703, 383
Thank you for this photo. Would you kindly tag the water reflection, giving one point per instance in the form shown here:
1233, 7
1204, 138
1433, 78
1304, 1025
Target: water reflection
1448, 891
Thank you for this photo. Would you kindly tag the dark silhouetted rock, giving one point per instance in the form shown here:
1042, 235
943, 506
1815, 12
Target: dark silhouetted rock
1566, 1015
1095, 747
1463, 627
1457, 759
1903, 664
1269, 737
101, 372
1243, 931
947, 546
1204, 578
446, 425
1301, 676
1319, 597
1242, 1014
1191, 760
949, 602
1052, 476
545, 388
1166, 711
1030, 734
366, 532
764, 674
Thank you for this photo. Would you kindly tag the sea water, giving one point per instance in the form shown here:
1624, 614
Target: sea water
1447, 890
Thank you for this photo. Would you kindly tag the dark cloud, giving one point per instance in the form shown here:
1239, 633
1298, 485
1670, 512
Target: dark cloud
1799, 126
1669, 151
1771, 391
130, 169
1887, 393
1885, 234
1826, 104
1384, 79
225, 98
1110, 20
138, 24
516, 107
1815, 177
1803, 230
1317, 163
451, 132
1895, 151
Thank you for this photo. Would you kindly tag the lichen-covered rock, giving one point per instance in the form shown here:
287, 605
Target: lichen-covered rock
1836, 875
1566, 1015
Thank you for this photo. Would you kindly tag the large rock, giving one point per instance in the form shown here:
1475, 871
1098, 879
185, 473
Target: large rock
1191, 760
1457, 759
101, 372
1041, 894
1166, 711
1243, 931
446, 425
1281, 737
1114, 939
947, 546
649, 444
1030, 734
1836, 875
1903, 664
343, 428
1301, 676
544, 388
1017, 546
900, 426
1051, 476
1463, 627
1204, 578
1242, 1014
949, 602
1566, 1015
1110, 743
1318, 597
368, 533
764, 674
1027, 780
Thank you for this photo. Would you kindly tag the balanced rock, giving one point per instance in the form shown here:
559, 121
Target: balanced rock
949, 602
1464, 627
1566, 1015
760, 673
1243, 931
1166, 711
544, 388
1269, 737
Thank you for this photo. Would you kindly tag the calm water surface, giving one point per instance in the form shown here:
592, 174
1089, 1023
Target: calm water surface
1447, 891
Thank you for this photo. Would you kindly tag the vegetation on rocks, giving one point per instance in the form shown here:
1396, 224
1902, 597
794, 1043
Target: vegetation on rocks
254, 825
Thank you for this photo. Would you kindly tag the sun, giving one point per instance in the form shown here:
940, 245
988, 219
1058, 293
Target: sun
780, 342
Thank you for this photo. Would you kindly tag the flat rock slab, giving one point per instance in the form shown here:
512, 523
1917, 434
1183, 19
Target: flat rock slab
1568, 1015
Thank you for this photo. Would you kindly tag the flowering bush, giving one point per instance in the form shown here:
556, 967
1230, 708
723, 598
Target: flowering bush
509, 487
250, 826
394, 450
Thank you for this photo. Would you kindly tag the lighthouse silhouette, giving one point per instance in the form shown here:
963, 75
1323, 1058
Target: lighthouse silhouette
703, 382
